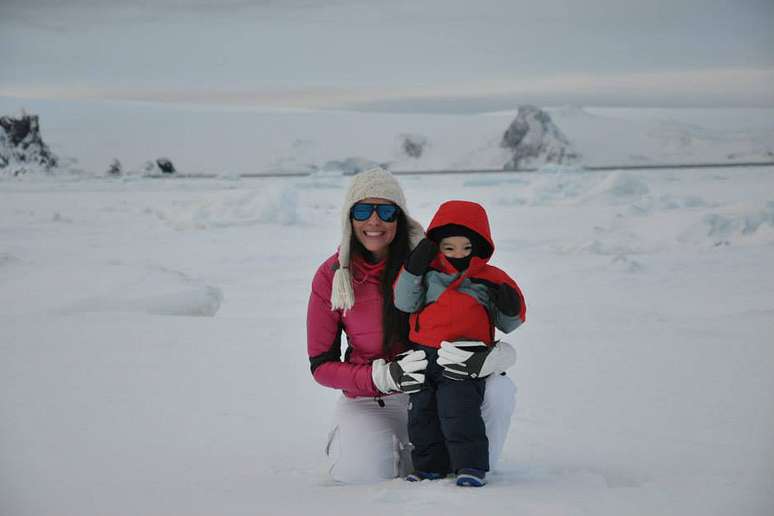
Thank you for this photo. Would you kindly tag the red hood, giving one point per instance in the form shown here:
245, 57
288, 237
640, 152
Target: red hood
464, 213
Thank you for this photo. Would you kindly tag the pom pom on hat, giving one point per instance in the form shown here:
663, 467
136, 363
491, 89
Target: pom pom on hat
375, 182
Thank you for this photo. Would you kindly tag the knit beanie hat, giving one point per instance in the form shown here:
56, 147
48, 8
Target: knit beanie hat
375, 182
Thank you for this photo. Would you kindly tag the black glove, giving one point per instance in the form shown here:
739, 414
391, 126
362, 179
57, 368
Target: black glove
506, 300
419, 259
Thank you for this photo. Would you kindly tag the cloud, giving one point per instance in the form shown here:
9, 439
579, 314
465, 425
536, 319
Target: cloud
179, 48
703, 88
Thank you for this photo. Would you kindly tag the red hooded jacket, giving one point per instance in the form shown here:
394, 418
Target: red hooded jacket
457, 308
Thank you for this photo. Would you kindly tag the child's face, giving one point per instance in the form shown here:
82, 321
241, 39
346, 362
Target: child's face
456, 247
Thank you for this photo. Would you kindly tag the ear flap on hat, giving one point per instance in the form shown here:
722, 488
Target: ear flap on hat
342, 295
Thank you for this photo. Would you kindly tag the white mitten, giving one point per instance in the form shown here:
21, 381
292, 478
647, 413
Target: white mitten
404, 374
465, 360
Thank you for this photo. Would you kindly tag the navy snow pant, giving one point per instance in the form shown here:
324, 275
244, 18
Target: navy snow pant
445, 424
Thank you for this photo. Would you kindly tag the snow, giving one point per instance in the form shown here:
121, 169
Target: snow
228, 141
152, 335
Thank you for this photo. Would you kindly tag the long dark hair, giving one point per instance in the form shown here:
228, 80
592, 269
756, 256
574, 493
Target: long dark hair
394, 322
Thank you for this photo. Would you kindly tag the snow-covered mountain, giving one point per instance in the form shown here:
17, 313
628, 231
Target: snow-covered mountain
534, 139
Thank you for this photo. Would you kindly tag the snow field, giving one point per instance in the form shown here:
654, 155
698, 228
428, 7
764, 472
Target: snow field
152, 336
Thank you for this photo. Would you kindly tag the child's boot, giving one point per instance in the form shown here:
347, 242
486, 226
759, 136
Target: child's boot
470, 477
425, 475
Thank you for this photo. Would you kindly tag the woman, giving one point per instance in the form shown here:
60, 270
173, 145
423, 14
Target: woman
352, 293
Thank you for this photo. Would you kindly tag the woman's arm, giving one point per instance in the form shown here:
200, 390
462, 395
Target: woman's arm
323, 329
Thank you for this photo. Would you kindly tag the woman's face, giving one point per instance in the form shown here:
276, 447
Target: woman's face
375, 234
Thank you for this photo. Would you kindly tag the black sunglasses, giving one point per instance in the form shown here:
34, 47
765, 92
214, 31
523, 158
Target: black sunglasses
362, 211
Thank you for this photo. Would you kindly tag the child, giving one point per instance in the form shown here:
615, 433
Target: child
453, 295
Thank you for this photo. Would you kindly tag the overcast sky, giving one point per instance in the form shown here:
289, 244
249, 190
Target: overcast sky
393, 55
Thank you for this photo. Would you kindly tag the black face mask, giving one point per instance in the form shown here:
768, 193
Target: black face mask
460, 263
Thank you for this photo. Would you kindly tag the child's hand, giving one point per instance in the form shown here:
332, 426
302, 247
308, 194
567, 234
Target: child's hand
506, 300
419, 259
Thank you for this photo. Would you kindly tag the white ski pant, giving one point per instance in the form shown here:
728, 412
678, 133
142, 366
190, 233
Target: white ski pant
369, 442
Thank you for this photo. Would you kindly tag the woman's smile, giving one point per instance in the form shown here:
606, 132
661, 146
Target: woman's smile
374, 233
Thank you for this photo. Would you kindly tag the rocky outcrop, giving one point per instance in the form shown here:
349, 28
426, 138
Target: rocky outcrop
166, 166
413, 145
160, 166
115, 168
22, 149
348, 166
535, 140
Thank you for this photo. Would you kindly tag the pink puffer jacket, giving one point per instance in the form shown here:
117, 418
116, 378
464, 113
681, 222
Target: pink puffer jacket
362, 324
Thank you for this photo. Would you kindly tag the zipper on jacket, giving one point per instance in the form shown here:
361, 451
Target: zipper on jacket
416, 321
379, 401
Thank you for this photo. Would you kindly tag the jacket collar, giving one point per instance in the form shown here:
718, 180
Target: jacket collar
363, 271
